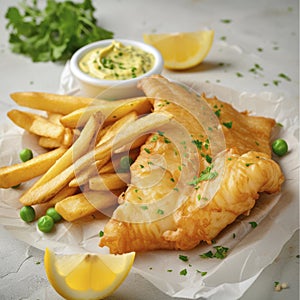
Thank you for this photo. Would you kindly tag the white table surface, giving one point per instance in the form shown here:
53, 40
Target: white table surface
269, 25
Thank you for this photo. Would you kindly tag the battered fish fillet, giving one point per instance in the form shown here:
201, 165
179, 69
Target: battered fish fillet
157, 175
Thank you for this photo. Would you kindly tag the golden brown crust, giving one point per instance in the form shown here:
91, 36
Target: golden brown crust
249, 171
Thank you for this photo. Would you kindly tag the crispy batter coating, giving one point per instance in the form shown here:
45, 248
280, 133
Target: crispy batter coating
248, 170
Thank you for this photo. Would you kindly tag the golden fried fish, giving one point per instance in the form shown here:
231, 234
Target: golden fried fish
182, 192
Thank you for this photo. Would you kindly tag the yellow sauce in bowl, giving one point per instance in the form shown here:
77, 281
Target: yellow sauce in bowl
116, 62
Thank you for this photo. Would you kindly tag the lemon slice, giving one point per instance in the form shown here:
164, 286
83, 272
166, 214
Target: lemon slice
182, 50
87, 276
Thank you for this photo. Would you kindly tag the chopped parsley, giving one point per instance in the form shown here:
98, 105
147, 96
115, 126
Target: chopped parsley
220, 253
183, 257
226, 21
183, 272
101, 233
253, 224
206, 174
208, 254
282, 75
147, 150
160, 211
208, 158
202, 272
228, 124
154, 138
218, 113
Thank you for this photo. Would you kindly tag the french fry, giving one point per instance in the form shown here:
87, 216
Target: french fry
54, 118
55, 103
135, 144
65, 192
45, 192
110, 181
62, 166
50, 143
21, 172
115, 127
62, 194
133, 130
82, 177
68, 137
81, 205
113, 110
36, 124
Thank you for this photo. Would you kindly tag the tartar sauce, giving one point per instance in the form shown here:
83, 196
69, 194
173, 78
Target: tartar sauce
116, 62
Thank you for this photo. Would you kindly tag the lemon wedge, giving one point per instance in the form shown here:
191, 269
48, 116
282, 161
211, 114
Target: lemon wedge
87, 276
182, 50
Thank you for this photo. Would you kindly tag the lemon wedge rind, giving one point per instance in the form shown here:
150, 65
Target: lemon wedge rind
182, 50
87, 276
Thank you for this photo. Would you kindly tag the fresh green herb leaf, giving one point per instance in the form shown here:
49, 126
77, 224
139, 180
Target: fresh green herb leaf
220, 253
183, 272
197, 143
55, 32
101, 233
218, 113
253, 224
201, 272
208, 254
206, 174
183, 257
228, 124
282, 75
226, 21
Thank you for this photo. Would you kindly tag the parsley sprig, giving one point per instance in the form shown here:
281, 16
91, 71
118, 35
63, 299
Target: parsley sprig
54, 33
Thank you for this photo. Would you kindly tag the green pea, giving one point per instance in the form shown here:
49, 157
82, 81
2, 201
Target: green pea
27, 213
26, 154
125, 163
280, 147
45, 224
51, 212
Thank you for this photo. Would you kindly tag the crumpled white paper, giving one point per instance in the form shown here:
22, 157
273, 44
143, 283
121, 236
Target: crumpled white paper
250, 249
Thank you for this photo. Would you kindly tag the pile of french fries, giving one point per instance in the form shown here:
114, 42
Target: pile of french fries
85, 139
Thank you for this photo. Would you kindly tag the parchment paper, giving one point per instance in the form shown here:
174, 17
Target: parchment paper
250, 249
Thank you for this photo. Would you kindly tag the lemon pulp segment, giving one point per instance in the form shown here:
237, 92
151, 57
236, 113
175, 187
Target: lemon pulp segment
87, 276
182, 50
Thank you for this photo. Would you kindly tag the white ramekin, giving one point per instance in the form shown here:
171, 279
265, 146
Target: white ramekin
112, 89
